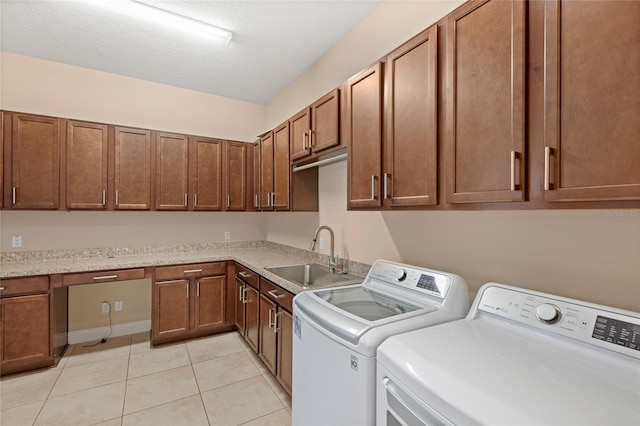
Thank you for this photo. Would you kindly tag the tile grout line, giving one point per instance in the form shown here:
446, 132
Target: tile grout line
204, 407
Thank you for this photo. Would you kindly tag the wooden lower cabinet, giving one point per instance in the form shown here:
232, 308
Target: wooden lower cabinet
268, 338
252, 317
276, 332
188, 306
25, 340
285, 349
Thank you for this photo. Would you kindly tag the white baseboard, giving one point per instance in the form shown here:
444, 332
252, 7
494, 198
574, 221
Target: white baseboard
93, 334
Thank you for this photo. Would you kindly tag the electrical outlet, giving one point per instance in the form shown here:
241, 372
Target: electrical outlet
16, 241
118, 305
227, 235
105, 308
321, 243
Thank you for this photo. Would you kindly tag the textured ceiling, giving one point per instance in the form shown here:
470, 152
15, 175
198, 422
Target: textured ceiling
273, 41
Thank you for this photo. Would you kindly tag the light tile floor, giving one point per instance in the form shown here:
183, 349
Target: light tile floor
216, 380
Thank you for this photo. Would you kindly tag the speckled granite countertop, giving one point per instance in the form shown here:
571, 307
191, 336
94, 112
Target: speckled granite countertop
255, 255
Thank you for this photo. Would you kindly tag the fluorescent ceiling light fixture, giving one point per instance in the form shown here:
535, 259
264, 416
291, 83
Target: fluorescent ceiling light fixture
165, 19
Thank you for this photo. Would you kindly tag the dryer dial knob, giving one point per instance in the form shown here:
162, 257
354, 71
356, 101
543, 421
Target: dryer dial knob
401, 274
548, 313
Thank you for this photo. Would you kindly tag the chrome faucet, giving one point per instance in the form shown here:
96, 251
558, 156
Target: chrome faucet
332, 259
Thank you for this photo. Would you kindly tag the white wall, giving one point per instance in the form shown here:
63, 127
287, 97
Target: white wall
51, 88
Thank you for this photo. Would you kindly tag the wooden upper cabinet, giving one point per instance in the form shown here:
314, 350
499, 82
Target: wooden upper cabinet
316, 128
300, 125
235, 175
281, 167
132, 169
411, 123
592, 100
86, 183
364, 133
35, 165
206, 167
325, 122
485, 98
266, 172
256, 176
172, 162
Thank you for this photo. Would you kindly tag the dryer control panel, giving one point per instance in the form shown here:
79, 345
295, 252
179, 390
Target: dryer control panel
602, 326
426, 281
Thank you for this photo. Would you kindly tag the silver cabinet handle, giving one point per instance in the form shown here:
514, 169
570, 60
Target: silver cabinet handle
275, 322
187, 290
273, 294
2, 288
186, 199
106, 277
244, 274
256, 201
244, 294
13, 195
386, 186
271, 322
116, 198
191, 271
268, 199
104, 198
195, 200
373, 187
547, 168
228, 200
304, 141
512, 186
241, 288
198, 289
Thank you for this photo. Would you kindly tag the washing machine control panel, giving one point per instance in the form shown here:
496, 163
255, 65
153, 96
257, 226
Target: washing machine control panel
425, 281
608, 328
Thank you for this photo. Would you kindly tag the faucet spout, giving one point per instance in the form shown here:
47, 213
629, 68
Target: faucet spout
332, 259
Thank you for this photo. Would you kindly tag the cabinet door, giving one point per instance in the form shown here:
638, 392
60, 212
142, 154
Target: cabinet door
411, 123
132, 169
236, 175
25, 330
170, 308
207, 174
266, 172
35, 173
172, 157
300, 125
252, 316
364, 133
486, 102
86, 165
256, 176
325, 122
281, 167
239, 306
210, 301
592, 100
268, 338
285, 349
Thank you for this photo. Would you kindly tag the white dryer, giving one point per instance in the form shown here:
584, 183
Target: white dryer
337, 332
519, 358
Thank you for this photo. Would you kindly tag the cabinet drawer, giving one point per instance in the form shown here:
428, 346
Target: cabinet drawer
191, 270
276, 293
103, 276
247, 275
13, 286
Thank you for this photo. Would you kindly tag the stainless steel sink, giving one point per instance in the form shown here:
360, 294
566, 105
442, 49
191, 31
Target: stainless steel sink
311, 274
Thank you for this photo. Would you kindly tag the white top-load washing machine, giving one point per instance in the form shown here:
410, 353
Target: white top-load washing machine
337, 332
519, 358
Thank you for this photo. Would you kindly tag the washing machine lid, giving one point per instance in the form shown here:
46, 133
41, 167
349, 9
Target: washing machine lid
365, 303
488, 371
350, 312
